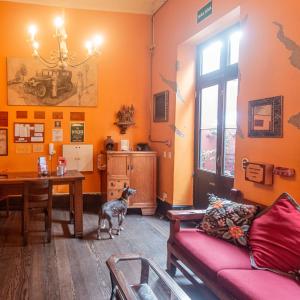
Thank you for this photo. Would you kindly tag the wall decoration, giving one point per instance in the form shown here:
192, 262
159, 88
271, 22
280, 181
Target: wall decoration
57, 135
173, 86
295, 120
161, 107
58, 115
39, 115
290, 45
31, 83
77, 132
37, 148
125, 118
21, 114
77, 116
57, 124
29, 132
259, 173
265, 117
3, 142
284, 172
23, 149
4, 118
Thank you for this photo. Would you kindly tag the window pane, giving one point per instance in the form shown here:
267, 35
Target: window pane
231, 103
209, 107
234, 47
230, 127
229, 152
208, 154
211, 58
209, 124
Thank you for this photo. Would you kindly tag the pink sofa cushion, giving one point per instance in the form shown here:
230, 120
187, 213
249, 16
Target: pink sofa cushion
275, 237
258, 285
211, 254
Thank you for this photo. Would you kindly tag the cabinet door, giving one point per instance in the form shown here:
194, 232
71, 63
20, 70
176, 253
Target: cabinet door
117, 165
70, 153
85, 158
142, 178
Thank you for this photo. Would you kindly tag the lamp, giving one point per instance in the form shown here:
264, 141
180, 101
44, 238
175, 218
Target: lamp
62, 58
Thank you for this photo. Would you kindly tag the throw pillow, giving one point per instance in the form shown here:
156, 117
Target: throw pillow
228, 220
275, 238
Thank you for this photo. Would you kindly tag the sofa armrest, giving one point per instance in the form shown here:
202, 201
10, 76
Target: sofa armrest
186, 215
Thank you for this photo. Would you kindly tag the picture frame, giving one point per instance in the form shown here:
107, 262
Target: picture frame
77, 132
3, 142
161, 107
265, 118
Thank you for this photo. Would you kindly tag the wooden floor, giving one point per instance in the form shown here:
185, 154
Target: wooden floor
71, 268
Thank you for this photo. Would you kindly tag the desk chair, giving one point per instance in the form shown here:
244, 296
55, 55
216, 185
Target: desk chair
37, 198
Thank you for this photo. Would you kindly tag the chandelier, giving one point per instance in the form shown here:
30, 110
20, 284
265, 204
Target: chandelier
62, 58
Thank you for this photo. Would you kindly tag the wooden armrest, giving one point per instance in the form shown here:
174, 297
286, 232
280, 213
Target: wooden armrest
186, 215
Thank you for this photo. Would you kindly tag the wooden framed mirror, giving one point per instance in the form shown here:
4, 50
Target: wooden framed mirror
265, 117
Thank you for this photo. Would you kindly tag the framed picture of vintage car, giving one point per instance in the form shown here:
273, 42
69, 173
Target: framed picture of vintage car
265, 117
3, 142
161, 107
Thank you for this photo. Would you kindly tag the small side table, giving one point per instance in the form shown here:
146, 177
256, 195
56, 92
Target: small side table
134, 277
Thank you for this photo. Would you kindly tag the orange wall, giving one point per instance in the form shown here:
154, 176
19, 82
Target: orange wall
265, 71
124, 69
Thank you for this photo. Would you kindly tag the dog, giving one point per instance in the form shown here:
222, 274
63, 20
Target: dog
114, 208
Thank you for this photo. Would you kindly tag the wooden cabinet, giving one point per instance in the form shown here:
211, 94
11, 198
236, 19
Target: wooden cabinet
136, 169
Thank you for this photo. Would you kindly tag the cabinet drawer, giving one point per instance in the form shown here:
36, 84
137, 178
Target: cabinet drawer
117, 183
114, 194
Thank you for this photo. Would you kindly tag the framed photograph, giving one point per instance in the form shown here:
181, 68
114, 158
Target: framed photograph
57, 124
77, 132
265, 117
3, 142
161, 107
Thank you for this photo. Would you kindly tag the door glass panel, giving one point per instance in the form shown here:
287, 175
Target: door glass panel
211, 57
230, 127
234, 47
208, 128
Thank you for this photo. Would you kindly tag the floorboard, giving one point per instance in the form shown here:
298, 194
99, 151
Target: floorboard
69, 268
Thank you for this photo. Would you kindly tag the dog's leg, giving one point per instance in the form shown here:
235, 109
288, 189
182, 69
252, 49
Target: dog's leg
110, 228
99, 227
122, 217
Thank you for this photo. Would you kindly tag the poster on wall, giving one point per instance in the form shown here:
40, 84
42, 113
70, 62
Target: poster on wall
29, 82
77, 132
3, 142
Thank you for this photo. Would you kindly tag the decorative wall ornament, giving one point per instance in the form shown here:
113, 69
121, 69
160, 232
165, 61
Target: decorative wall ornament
3, 142
125, 118
295, 120
284, 172
265, 117
173, 86
30, 83
290, 45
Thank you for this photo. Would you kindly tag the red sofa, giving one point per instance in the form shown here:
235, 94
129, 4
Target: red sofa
223, 267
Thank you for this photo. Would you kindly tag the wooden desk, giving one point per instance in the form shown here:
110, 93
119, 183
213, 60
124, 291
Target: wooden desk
12, 184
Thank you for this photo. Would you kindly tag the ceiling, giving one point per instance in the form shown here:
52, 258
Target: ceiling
132, 6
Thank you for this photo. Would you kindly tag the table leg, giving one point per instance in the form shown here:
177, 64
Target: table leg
71, 207
78, 209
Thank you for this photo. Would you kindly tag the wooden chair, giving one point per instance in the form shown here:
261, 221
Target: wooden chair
6, 199
37, 198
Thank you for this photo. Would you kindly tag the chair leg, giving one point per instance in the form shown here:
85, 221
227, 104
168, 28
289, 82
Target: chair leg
25, 226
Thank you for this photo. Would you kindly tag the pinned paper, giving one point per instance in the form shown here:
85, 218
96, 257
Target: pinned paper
23, 148
57, 135
37, 148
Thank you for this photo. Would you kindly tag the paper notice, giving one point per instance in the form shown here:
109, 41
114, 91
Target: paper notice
39, 127
37, 139
57, 135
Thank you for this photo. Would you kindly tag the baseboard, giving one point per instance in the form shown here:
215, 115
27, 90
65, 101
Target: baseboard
163, 207
91, 202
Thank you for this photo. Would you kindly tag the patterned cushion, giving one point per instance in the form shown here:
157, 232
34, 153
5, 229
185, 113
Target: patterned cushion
274, 238
228, 220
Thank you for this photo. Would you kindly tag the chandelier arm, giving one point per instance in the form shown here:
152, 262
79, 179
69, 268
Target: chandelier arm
81, 63
49, 64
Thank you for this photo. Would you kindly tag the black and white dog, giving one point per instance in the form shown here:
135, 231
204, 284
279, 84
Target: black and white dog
114, 208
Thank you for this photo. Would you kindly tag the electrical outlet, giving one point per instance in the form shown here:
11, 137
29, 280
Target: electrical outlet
165, 154
170, 154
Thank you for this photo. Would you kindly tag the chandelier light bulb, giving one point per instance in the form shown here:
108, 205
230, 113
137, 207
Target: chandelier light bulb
89, 46
35, 45
58, 22
32, 29
98, 40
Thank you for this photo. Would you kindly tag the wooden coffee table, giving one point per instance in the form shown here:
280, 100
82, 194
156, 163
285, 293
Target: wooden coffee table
134, 277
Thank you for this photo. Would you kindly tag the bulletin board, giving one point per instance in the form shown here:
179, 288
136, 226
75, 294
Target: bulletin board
29, 132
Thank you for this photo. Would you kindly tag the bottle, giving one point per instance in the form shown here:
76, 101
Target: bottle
109, 143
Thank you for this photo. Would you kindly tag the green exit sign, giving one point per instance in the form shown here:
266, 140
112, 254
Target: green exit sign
204, 12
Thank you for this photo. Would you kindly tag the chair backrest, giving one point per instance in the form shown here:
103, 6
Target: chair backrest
38, 190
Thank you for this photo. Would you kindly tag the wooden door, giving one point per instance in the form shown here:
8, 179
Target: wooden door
142, 178
118, 165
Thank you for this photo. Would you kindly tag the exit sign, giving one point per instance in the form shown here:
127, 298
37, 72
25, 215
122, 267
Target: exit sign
204, 12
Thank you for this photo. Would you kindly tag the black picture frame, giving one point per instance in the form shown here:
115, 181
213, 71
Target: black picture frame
77, 132
161, 107
265, 118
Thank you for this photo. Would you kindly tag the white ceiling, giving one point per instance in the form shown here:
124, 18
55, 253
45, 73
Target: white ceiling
132, 6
